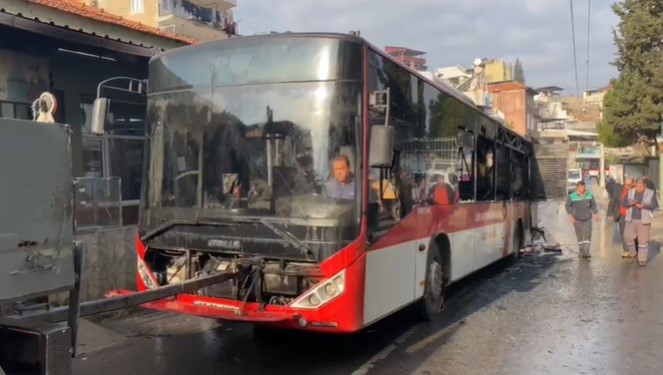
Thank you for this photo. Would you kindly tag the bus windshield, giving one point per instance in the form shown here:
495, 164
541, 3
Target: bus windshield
264, 132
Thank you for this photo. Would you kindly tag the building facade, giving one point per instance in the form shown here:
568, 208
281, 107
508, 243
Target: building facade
497, 70
516, 102
202, 20
410, 57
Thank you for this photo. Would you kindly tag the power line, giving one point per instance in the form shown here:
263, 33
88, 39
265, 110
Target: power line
589, 17
575, 55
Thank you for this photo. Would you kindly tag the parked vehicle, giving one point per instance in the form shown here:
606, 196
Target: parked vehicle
573, 177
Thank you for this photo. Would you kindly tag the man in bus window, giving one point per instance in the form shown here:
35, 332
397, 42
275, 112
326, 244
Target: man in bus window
342, 184
580, 205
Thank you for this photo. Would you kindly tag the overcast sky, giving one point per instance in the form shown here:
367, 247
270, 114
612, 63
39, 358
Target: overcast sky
458, 31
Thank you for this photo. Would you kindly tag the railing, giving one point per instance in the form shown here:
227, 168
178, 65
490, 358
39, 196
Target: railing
97, 203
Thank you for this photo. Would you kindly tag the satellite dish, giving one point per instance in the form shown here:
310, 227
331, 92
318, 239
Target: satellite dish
477, 62
44, 107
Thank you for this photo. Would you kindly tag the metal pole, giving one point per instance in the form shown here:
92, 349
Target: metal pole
269, 161
75, 295
118, 302
660, 160
602, 167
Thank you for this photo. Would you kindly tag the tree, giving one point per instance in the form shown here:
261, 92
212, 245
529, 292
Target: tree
633, 109
518, 72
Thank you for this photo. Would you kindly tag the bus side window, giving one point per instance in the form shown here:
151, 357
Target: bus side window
519, 181
485, 170
504, 171
465, 175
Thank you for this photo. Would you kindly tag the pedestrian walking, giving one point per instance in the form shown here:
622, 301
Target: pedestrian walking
580, 206
621, 211
610, 184
641, 203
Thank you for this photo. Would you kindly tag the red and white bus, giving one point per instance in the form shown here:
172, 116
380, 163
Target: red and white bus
243, 174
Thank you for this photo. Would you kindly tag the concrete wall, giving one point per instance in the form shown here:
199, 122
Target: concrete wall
110, 262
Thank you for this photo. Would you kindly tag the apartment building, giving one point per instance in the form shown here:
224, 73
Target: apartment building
202, 20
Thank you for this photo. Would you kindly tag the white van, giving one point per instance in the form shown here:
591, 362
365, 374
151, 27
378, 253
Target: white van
573, 176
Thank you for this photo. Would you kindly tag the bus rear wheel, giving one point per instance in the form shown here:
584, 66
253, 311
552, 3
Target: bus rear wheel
432, 302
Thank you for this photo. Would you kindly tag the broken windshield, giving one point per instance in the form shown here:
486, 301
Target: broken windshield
269, 150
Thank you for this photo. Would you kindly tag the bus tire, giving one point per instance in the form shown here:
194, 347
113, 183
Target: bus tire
432, 302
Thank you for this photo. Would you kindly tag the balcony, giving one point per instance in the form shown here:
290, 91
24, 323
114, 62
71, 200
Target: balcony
218, 5
203, 23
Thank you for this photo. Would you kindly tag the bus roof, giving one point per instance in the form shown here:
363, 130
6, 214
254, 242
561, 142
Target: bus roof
447, 89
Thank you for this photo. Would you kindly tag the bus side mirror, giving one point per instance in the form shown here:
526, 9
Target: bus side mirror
100, 115
382, 146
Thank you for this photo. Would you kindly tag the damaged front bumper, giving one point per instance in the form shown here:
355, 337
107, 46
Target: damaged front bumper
220, 309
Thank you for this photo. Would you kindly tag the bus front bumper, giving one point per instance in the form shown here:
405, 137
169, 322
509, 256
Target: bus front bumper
230, 310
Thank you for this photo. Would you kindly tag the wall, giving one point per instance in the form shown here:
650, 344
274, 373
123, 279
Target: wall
512, 104
109, 263
149, 15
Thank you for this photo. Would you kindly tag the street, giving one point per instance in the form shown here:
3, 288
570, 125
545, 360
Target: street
542, 314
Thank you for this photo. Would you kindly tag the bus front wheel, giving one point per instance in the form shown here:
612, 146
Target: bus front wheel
432, 302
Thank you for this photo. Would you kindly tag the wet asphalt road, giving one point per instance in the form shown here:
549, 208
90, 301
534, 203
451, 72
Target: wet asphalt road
543, 314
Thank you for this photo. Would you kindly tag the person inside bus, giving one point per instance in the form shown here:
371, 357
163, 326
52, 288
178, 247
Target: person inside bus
442, 192
485, 174
342, 183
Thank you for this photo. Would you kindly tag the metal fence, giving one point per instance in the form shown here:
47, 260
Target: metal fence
97, 203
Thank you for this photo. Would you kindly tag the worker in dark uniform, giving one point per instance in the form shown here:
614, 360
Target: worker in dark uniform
580, 205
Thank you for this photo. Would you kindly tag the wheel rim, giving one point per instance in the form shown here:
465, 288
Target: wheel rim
435, 284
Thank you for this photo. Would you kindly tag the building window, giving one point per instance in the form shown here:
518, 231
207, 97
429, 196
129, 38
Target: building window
118, 154
137, 6
166, 7
19, 111
125, 160
92, 157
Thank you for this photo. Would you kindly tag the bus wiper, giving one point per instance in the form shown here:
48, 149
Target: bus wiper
292, 240
171, 223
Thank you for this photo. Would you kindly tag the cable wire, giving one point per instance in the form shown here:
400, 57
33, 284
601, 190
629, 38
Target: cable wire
575, 55
589, 18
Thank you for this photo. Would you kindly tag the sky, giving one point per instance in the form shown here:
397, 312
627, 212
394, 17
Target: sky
457, 31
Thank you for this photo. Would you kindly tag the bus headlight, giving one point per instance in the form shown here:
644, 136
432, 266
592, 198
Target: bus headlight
144, 275
322, 293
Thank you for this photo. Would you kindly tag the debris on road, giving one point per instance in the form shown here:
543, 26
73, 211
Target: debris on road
542, 242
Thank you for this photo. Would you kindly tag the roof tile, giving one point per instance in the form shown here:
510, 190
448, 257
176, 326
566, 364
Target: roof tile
97, 14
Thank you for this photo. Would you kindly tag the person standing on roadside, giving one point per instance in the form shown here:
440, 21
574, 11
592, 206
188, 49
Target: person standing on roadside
614, 190
580, 206
629, 183
641, 203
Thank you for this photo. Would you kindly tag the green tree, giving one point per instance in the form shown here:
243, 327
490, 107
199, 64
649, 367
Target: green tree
634, 106
518, 72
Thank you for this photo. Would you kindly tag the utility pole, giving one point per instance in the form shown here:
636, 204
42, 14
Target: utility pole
602, 166
659, 143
